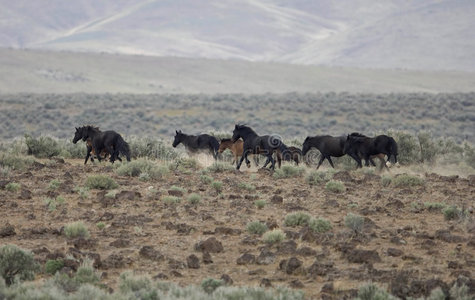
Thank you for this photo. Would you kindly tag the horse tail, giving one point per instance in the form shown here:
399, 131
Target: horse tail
123, 147
285, 152
214, 143
393, 147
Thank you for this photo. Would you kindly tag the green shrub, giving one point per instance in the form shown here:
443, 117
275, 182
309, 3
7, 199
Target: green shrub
256, 227
434, 206
82, 191
319, 225
217, 186
319, 177
43, 147
296, 219
373, 292
142, 168
53, 265
469, 155
183, 164
50, 203
219, 167
76, 229
171, 200
273, 236
209, 285
151, 148
335, 186
15, 162
460, 292
86, 273
177, 188
260, 203
54, 184
16, 264
246, 186
101, 182
406, 180
408, 148
194, 198
452, 213
206, 179
354, 222
386, 181
101, 225
139, 287
428, 148
12, 187
288, 172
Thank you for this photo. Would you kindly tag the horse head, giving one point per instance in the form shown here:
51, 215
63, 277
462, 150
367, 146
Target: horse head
78, 134
178, 138
224, 144
236, 133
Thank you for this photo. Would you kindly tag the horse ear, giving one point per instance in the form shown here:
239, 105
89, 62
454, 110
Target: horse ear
176, 131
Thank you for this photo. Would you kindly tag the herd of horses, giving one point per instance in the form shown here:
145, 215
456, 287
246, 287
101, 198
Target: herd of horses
245, 141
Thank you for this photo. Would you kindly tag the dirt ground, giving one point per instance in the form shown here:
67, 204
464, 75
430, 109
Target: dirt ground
405, 247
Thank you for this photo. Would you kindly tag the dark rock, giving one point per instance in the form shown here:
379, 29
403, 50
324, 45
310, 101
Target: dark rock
25, 194
120, 243
257, 272
397, 241
447, 236
249, 240
453, 265
288, 247
291, 266
127, 195
71, 264
211, 245
271, 223
175, 264
7, 230
227, 279
265, 282
246, 259
114, 261
184, 229
175, 273
107, 216
96, 259
150, 253
327, 288
207, 259
319, 268
161, 276
343, 176
331, 203
193, 262
395, 252
360, 256
306, 251
266, 257
226, 230
176, 193
82, 243
276, 199
296, 284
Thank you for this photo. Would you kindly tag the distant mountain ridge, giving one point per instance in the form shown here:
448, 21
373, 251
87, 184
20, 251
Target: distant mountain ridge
417, 35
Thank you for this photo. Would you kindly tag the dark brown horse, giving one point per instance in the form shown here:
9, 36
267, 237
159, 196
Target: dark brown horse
360, 146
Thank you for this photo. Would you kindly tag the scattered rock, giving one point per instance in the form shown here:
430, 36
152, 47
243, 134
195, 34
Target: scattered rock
207, 259
211, 245
249, 240
360, 256
150, 253
296, 284
127, 195
276, 199
319, 268
193, 262
25, 194
227, 279
175, 273
287, 247
120, 243
306, 251
447, 236
266, 257
343, 176
394, 252
175, 264
160, 276
114, 261
291, 266
82, 243
246, 259
176, 193
226, 230
7, 230
265, 282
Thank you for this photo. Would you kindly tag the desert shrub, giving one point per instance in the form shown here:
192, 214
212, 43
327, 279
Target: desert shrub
354, 222
177, 188
54, 184
460, 292
247, 186
53, 265
453, 213
184, 163
151, 148
296, 219
82, 191
335, 186
139, 287
428, 149
171, 200
209, 285
194, 198
406, 180
15, 162
260, 203
386, 180
206, 179
273, 236
16, 264
408, 148
86, 273
101, 182
256, 227
217, 186
101, 225
438, 206
469, 155
76, 229
319, 177
219, 167
435, 294
42, 147
12, 187
288, 172
143, 168
319, 225
373, 292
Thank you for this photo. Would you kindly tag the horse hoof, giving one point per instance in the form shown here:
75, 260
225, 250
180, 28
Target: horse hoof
389, 164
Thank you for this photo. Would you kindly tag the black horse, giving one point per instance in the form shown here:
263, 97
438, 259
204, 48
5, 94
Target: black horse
359, 146
108, 141
293, 154
254, 144
195, 143
327, 145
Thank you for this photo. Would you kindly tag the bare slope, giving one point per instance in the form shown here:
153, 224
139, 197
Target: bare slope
65, 72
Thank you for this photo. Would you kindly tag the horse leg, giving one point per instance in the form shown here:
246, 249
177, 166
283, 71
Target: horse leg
322, 158
356, 158
256, 159
273, 161
329, 158
267, 162
279, 160
241, 160
88, 153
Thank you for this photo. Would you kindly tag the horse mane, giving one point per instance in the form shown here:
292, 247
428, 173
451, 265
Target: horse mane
245, 127
357, 134
225, 140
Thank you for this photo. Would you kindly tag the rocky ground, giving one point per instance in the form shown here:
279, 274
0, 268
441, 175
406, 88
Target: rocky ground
404, 247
